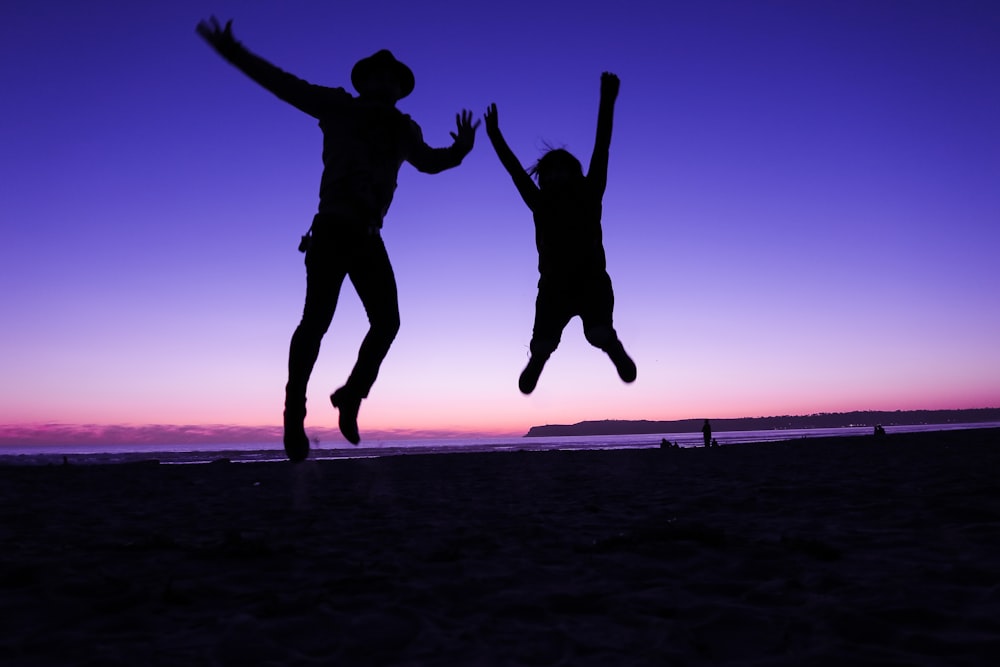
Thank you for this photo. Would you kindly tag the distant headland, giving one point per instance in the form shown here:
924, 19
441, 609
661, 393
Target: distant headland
820, 420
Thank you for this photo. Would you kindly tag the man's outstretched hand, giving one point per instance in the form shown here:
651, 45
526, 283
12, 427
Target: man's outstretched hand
220, 38
465, 136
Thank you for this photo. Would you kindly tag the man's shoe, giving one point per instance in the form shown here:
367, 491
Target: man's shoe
529, 376
296, 442
348, 404
623, 363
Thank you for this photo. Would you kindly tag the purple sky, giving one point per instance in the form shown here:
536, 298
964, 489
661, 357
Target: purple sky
802, 213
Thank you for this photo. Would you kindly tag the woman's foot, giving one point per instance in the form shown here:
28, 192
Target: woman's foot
529, 376
623, 363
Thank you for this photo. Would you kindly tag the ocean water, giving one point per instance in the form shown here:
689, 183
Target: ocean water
261, 452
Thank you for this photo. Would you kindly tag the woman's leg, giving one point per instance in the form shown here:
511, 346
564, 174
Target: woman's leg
551, 317
598, 326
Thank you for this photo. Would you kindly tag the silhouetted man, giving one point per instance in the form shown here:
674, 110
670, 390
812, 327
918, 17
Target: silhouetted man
706, 433
365, 142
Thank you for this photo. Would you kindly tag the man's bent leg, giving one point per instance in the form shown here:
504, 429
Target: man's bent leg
373, 278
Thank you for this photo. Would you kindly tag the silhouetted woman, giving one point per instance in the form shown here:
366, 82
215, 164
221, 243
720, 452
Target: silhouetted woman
566, 206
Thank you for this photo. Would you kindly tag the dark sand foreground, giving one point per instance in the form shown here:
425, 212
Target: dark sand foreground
846, 551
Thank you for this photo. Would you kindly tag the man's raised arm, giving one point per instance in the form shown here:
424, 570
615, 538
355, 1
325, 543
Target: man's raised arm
598, 171
435, 160
300, 94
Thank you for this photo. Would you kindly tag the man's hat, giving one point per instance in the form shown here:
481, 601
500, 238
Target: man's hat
383, 60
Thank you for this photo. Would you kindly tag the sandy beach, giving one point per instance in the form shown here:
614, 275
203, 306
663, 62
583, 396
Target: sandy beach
808, 552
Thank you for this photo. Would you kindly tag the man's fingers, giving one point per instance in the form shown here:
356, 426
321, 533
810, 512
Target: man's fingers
467, 118
213, 28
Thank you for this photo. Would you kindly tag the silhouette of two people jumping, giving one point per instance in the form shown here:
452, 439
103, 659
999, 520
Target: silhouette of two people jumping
366, 139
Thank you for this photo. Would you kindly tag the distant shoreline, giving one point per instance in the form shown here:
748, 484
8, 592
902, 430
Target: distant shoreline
820, 420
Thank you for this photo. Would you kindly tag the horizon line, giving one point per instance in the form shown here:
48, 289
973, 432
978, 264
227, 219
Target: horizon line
61, 433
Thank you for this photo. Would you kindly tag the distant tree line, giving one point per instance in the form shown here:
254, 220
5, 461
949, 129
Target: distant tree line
819, 420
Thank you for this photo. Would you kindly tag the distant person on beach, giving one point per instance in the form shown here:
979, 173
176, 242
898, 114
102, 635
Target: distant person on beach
706, 433
879, 431
566, 206
366, 139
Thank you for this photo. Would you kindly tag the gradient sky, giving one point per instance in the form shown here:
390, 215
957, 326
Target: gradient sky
801, 215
